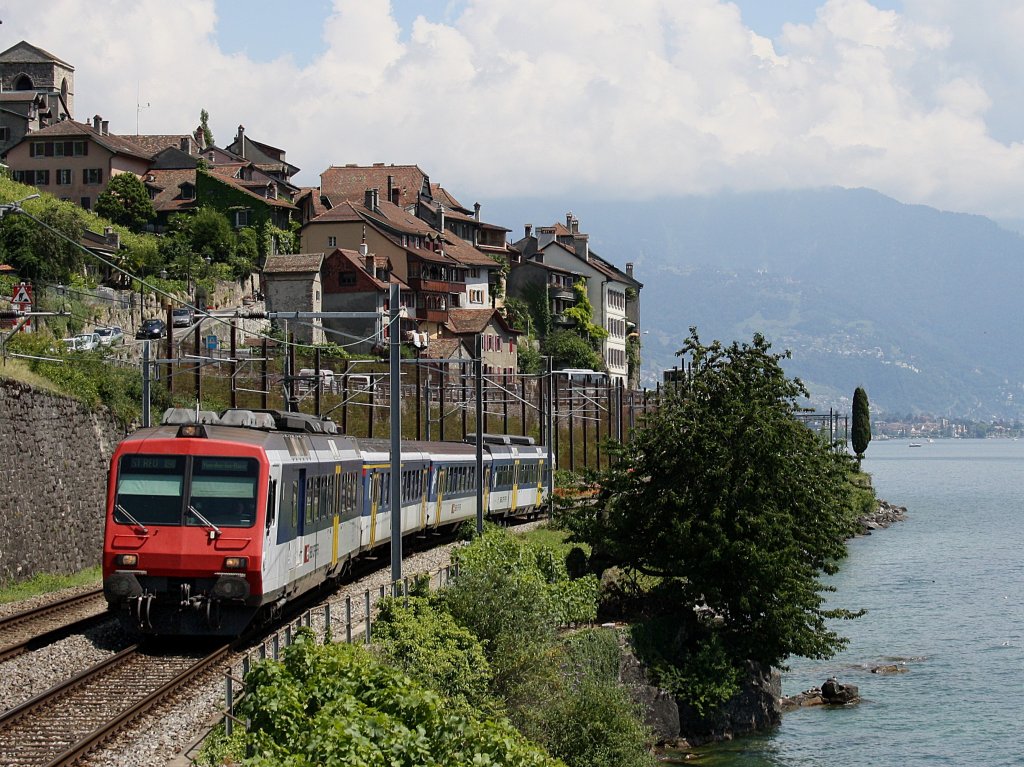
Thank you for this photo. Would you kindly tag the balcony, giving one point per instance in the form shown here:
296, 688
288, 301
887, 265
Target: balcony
426, 285
431, 315
562, 320
561, 294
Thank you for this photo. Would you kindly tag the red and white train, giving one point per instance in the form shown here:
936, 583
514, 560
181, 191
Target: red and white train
215, 521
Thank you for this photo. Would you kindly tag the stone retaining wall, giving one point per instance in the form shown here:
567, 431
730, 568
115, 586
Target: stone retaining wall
54, 454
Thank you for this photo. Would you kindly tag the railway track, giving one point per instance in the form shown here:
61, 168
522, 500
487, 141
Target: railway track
67, 721
34, 628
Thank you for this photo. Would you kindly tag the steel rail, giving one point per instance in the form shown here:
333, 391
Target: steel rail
29, 626
36, 732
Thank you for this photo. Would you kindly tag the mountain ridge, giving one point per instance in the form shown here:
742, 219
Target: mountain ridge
918, 305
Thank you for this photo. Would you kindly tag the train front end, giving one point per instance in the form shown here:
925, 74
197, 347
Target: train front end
182, 549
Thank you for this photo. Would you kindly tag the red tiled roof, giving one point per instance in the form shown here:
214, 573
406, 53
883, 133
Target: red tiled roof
295, 263
116, 144
153, 144
317, 206
168, 185
350, 182
442, 195
472, 321
464, 253
445, 348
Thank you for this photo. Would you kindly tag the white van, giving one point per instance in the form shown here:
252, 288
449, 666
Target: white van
307, 379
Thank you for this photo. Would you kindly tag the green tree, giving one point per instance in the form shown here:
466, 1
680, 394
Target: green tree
583, 312
39, 253
536, 295
861, 423
210, 234
734, 507
569, 350
125, 201
204, 124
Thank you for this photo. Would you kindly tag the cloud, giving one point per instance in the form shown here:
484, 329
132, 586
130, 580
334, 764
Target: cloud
585, 97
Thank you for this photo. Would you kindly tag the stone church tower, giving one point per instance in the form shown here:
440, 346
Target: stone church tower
24, 67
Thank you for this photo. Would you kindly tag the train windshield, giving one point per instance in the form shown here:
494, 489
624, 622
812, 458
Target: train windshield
223, 492
151, 490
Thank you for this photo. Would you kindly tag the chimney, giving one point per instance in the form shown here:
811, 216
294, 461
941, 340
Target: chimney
568, 220
96, 123
629, 268
440, 218
581, 243
186, 144
240, 140
391, 190
476, 211
529, 230
371, 199
200, 138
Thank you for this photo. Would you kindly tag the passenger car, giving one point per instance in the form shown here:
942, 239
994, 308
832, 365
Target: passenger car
110, 336
182, 318
213, 521
86, 342
151, 328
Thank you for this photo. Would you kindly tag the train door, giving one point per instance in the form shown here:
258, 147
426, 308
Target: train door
424, 477
298, 512
515, 487
442, 476
487, 488
375, 489
275, 559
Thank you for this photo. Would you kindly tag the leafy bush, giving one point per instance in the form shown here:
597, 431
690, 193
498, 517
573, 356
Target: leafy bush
426, 643
337, 705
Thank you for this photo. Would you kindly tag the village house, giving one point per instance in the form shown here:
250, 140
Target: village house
614, 294
291, 283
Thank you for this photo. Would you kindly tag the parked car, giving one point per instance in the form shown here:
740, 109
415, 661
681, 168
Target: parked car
307, 380
182, 318
86, 342
73, 344
110, 336
152, 328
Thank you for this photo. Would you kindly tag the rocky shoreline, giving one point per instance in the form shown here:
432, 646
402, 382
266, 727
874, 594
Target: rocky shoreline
760, 705
885, 514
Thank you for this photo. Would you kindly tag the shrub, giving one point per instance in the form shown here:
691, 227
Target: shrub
337, 705
426, 643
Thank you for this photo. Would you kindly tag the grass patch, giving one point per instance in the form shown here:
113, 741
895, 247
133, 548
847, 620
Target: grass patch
18, 370
552, 538
44, 583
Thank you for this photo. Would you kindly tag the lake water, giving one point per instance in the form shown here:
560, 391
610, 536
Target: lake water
944, 593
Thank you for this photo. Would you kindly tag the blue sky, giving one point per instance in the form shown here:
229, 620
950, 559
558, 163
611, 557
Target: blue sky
299, 32
918, 99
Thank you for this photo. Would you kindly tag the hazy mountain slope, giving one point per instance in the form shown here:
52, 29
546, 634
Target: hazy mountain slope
919, 306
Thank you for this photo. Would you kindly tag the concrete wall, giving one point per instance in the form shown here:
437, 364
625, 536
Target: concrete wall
53, 473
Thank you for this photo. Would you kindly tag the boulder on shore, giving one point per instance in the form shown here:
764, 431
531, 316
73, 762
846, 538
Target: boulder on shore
884, 515
831, 693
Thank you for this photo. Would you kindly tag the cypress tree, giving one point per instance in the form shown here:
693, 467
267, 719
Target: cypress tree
861, 423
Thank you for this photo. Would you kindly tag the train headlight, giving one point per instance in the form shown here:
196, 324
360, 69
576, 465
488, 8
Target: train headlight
235, 563
126, 560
